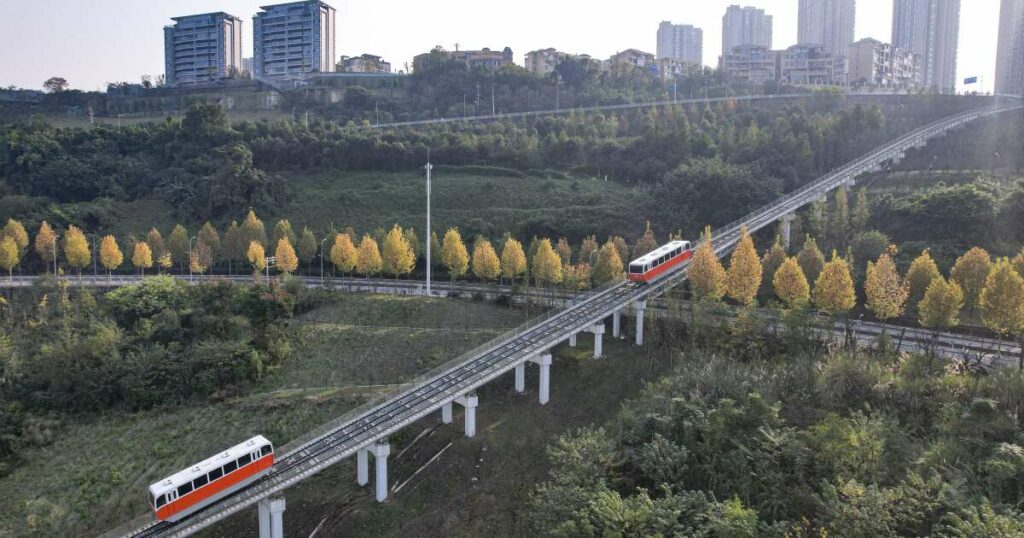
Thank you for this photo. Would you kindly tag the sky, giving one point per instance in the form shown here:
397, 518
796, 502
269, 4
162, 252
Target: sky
93, 42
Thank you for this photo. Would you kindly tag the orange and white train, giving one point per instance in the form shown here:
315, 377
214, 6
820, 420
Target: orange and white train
212, 479
664, 260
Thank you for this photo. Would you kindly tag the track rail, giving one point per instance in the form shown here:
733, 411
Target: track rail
341, 438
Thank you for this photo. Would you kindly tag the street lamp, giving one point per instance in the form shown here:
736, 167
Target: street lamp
322, 261
95, 255
430, 238
190, 277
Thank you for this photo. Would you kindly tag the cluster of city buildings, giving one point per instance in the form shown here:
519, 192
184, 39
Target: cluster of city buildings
297, 39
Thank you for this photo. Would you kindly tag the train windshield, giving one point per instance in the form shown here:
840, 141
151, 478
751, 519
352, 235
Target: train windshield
636, 268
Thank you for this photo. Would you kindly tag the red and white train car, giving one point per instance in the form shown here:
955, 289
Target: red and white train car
664, 260
189, 490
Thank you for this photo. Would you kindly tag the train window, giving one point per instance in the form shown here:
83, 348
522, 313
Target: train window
184, 489
160, 501
230, 467
244, 460
216, 473
199, 482
265, 450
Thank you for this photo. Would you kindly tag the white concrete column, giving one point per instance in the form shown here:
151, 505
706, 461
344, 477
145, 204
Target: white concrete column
544, 361
446, 413
598, 332
572, 340
521, 377
363, 467
381, 451
277, 518
787, 230
640, 307
469, 402
264, 512
616, 324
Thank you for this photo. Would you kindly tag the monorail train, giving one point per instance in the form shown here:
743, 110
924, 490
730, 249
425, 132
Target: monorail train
660, 262
191, 489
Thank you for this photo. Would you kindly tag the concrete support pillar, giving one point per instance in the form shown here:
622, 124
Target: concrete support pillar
362, 467
640, 307
521, 377
787, 230
469, 402
616, 324
598, 332
572, 340
544, 361
446, 413
272, 518
381, 451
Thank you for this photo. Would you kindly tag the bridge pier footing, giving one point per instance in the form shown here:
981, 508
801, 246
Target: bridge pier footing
381, 451
469, 402
544, 361
572, 340
787, 230
363, 467
446, 413
598, 332
641, 308
271, 513
616, 324
521, 377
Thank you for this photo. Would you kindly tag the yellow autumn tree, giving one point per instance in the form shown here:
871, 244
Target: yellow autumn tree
308, 246
513, 260
790, 284
165, 261
178, 245
1002, 301
886, 292
253, 230
368, 263
547, 266
486, 265
564, 251
833, 291
110, 254
744, 276
707, 276
646, 243
398, 256
9, 255
811, 259
919, 276
142, 257
155, 242
588, 249
45, 244
343, 254
970, 271
17, 233
609, 267
76, 249
453, 254
771, 261
287, 261
257, 256
1018, 262
940, 307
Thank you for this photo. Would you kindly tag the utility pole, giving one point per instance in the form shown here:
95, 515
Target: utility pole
429, 238
190, 277
476, 107
322, 261
558, 85
492, 101
55, 238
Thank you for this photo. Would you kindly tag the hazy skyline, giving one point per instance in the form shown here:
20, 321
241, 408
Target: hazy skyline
104, 41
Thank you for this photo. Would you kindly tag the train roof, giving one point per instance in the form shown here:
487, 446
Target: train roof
205, 466
660, 251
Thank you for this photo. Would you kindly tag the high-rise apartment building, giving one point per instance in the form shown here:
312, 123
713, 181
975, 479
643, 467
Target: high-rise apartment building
828, 23
930, 29
745, 26
681, 42
1010, 55
293, 39
202, 48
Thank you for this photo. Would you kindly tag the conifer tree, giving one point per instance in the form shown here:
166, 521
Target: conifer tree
45, 244
16, 231
9, 255
283, 229
307, 246
970, 271
165, 262
1018, 262
609, 267
547, 266
817, 216
200, 259
486, 265
414, 244
564, 251
209, 237
708, 278
770, 262
397, 256
287, 261
589, 248
1002, 301
253, 230
811, 259
744, 276
576, 277
919, 276
622, 247
368, 263
435, 251
155, 242
178, 246
940, 307
454, 254
886, 292
790, 284
142, 256
833, 291
839, 219
110, 254
234, 247
861, 212
647, 242
344, 255
513, 260
257, 257
76, 249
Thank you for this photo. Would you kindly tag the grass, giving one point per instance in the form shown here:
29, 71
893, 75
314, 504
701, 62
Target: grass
94, 476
